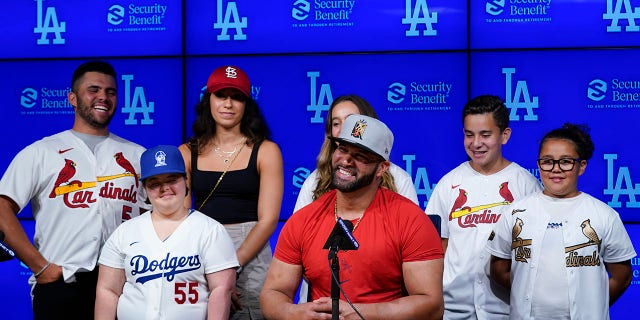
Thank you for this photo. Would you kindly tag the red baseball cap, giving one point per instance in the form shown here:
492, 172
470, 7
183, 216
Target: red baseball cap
229, 77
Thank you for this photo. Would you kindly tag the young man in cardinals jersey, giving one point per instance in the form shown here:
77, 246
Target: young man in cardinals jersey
82, 183
469, 200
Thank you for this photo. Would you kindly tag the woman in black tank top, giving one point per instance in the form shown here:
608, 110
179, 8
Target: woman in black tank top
236, 176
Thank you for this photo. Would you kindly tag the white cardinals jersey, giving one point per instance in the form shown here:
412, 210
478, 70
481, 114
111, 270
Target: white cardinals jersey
78, 197
167, 279
593, 234
469, 204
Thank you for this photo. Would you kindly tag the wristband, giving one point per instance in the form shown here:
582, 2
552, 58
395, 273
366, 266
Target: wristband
37, 274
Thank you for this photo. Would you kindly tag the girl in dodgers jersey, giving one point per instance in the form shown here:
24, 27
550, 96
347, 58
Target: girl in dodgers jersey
470, 199
563, 253
171, 263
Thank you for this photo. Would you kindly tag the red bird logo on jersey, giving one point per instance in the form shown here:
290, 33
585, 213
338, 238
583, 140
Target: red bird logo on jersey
460, 200
67, 172
126, 165
505, 193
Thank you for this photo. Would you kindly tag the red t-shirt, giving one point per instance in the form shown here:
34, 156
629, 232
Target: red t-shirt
393, 230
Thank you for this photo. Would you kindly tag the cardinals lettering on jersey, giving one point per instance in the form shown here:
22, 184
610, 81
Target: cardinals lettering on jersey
467, 216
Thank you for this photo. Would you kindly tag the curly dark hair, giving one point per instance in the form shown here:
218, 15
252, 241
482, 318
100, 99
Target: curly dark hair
576, 133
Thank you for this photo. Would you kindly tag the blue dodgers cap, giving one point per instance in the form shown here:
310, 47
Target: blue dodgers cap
160, 160
367, 133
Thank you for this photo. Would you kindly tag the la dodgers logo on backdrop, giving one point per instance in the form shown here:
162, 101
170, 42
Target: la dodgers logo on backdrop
615, 14
623, 184
495, 7
136, 104
513, 98
321, 101
226, 23
49, 24
420, 179
419, 14
300, 10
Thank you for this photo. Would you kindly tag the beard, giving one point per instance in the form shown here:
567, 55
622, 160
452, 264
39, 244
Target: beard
357, 184
85, 112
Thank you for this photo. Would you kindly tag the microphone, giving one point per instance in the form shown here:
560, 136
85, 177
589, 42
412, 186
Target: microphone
5, 252
341, 238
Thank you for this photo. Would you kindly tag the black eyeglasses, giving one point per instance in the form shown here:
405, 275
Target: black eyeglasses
565, 164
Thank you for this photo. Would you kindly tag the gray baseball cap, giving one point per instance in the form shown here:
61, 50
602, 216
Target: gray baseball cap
367, 133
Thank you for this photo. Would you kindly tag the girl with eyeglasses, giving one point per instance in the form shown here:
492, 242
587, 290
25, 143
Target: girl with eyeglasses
563, 253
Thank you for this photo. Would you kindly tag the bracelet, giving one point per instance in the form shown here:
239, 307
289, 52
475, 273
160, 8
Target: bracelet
37, 274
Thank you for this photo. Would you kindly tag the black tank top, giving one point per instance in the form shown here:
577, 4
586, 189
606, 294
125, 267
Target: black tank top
236, 198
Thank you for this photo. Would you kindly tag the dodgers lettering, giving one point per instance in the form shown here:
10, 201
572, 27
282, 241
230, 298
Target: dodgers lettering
169, 265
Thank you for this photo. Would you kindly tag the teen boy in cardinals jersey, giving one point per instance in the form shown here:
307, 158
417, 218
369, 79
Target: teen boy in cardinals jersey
79, 192
470, 200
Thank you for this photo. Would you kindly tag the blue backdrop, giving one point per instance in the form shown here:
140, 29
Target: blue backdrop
416, 61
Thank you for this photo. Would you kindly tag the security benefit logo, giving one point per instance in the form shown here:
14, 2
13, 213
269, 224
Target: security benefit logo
136, 18
418, 16
321, 97
620, 185
45, 101
621, 13
518, 11
419, 95
517, 97
228, 19
322, 13
48, 26
616, 93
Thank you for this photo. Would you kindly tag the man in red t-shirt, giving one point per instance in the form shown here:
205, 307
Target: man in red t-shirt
396, 273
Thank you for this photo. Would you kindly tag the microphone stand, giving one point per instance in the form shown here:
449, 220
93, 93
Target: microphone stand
335, 286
